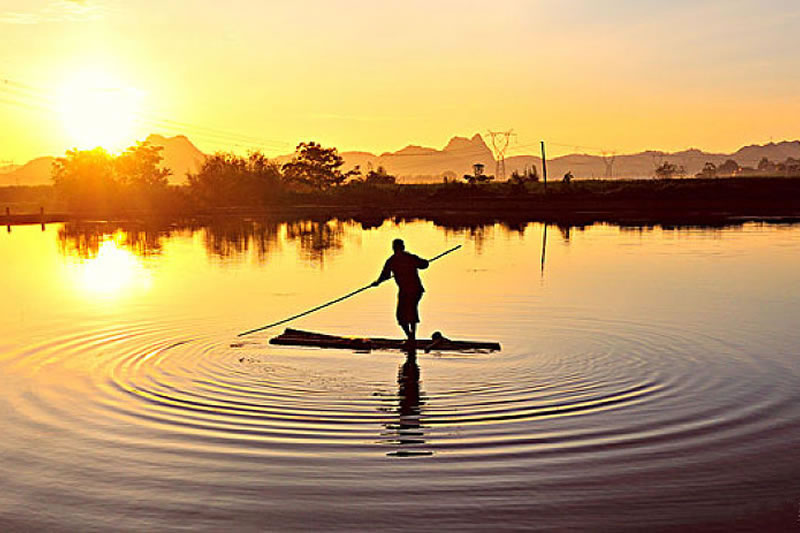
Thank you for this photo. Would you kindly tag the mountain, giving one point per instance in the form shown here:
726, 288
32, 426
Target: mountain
34, 172
5, 169
180, 156
751, 155
417, 164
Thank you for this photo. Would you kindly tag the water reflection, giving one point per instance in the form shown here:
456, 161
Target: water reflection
544, 250
565, 232
111, 269
84, 240
637, 355
407, 432
316, 237
235, 237
223, 237
477, 233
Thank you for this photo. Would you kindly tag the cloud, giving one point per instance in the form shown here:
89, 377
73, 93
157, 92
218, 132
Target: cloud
57, 11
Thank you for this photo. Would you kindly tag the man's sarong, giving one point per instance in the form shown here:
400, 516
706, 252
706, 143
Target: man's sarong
407, 303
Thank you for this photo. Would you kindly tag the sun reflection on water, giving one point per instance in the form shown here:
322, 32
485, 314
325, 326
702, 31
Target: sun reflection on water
113, 271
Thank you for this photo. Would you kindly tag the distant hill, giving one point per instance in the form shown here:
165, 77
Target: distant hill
34, 172
4, 169
751, 155
415, 163
180, 156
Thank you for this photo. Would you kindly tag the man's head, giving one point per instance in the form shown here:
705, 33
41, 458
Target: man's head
398, 245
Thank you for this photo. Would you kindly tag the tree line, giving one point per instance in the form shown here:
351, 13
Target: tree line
95, 180
730, 169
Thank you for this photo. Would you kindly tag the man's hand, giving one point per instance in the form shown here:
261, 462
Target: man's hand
375, 283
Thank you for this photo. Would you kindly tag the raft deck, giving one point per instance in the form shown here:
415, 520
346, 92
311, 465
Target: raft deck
296, 337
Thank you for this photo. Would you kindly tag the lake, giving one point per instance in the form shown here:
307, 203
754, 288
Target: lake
648, 377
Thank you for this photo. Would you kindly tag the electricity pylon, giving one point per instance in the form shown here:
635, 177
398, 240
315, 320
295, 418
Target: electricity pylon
500, 140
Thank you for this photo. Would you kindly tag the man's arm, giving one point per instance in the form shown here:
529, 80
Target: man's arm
386, 273
422, 263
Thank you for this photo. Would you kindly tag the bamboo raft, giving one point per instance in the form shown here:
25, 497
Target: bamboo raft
296, 337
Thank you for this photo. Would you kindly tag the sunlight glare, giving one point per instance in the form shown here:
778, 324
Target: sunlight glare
98, 111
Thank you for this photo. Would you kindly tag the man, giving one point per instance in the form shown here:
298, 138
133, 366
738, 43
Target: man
404, 266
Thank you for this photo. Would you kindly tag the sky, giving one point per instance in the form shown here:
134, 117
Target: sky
589, 76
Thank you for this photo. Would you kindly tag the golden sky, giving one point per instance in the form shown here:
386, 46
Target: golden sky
591, 75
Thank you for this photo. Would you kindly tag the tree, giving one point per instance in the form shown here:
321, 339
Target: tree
792, 166
380, 177
709, 171
316, 167
94, 180
227, 179
86, 180
137, 168
764, 165
728, 168
669, 170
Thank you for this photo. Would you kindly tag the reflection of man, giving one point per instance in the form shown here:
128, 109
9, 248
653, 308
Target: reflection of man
409, 429
404, 266
408, 391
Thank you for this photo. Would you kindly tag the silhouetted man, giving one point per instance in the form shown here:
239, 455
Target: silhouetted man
404, 266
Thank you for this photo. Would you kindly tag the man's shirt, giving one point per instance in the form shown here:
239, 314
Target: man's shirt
404, 266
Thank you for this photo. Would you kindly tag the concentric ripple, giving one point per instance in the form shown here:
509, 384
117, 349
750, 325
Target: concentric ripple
146, 409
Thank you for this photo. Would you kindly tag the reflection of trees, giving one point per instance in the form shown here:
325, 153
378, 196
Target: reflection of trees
84, 239
566, 231
234, 236
475, 232
224, 237
316, 238
517, 227
231, 237
641, 229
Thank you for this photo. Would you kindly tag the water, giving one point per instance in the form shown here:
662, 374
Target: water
648, 377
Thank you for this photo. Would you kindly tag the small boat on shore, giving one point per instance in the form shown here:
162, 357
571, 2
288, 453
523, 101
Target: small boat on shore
296, 337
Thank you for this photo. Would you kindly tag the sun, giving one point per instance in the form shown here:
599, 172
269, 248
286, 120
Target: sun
98, 110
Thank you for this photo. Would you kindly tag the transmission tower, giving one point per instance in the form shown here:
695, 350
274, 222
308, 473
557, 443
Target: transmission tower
500, 140
608, 160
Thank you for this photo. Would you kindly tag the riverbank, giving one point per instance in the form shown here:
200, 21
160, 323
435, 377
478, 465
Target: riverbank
627, 202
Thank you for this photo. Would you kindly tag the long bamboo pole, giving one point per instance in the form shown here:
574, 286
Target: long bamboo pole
337, 300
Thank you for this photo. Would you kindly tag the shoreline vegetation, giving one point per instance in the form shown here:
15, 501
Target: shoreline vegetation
95, 185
